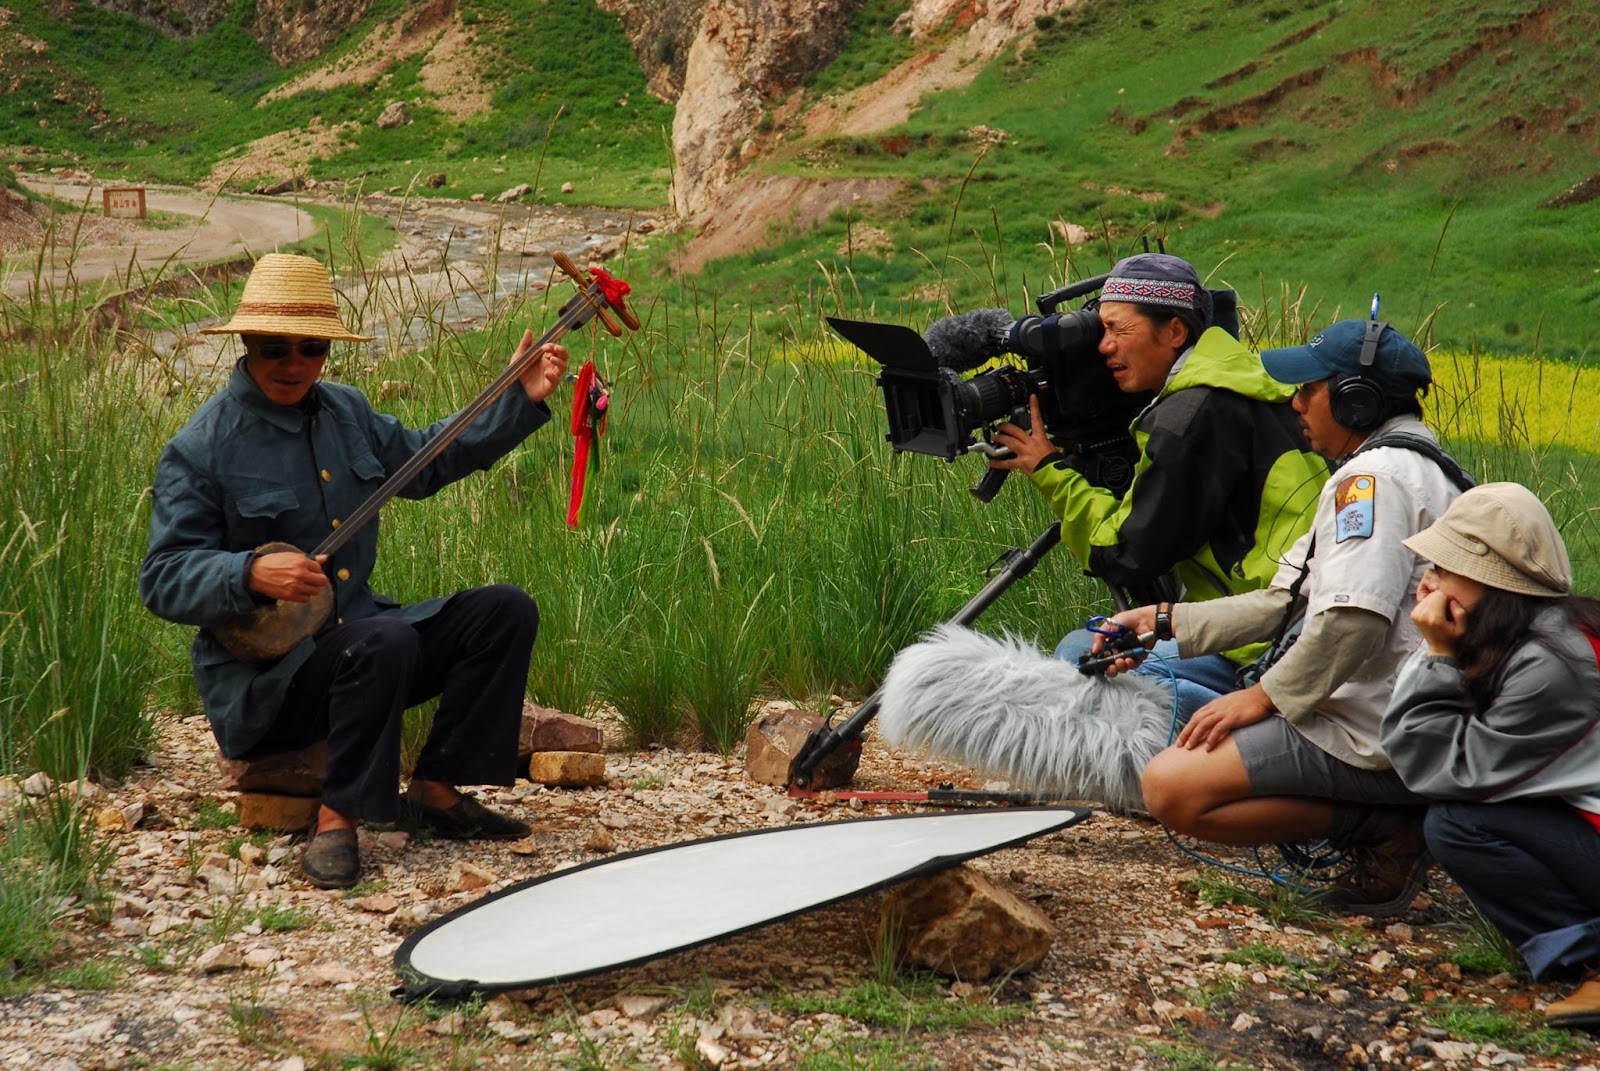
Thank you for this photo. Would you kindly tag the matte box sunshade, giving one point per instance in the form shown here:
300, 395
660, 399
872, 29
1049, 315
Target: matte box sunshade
644, 904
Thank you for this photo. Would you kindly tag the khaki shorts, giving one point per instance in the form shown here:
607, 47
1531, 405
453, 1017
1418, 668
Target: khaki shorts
1281, 762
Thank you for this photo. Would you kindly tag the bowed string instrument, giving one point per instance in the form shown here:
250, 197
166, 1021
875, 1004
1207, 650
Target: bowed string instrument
273, 630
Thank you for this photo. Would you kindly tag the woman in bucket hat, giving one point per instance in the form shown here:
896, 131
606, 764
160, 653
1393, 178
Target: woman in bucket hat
280, 456
1497, 716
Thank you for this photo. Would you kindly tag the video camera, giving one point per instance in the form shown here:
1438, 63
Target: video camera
933, 410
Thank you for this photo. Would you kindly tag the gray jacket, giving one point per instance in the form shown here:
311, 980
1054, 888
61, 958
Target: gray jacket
1539, 737
246, 471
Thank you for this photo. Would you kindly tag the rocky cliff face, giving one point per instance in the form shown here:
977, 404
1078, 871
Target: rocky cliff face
747, 53
990, 25
291, 31
661, 32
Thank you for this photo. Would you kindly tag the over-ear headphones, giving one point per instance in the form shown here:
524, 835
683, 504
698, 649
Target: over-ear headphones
1357, 401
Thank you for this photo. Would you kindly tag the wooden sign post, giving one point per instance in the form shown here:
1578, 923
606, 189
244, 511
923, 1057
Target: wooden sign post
124, 202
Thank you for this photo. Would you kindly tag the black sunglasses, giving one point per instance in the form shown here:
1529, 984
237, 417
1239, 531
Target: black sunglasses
312, 349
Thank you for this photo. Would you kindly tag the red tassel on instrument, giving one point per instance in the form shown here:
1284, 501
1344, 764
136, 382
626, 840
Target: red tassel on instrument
614, 290
590, 401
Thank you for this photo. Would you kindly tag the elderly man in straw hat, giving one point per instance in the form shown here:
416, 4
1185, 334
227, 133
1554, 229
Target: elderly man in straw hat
280, 456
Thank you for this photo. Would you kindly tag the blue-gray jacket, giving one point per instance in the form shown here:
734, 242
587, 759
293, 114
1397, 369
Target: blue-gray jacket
246, 471
1537, 737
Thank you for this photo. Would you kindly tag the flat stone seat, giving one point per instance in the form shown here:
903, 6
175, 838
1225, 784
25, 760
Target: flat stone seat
277, 791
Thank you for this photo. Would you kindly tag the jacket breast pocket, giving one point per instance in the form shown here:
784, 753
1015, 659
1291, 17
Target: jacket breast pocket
368, 469
261, 516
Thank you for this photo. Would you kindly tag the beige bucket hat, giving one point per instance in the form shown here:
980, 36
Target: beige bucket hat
288, 294
1501, 535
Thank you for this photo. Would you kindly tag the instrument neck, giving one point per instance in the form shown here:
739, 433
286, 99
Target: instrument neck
573, 314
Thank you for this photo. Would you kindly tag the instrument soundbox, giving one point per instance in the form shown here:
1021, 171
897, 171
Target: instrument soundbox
272, 631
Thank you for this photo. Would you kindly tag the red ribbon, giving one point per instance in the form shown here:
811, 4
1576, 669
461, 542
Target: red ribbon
614, 290
590, 403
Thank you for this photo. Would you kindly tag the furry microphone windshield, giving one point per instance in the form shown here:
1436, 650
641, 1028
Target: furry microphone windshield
966, 340
1005, 709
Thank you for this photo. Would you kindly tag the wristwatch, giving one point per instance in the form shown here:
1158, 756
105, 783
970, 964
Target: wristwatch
1163, 621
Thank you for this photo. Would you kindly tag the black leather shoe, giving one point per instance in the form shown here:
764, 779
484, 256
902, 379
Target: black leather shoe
330, 860
466, 819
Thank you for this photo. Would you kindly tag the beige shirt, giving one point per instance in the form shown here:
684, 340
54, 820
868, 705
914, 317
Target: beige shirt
1360, 574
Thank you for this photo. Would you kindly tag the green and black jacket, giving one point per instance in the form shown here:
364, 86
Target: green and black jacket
1223, 486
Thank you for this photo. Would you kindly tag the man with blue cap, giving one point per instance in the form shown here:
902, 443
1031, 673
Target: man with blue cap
1294, 755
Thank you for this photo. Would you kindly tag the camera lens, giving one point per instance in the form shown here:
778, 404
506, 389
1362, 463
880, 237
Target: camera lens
992, 396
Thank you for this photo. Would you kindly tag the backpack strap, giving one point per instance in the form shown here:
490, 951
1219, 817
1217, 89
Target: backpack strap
1405, 440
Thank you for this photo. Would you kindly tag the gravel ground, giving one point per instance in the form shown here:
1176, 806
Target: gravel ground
214, 954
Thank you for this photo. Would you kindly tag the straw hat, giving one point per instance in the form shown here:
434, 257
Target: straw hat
1501, 535
288, 295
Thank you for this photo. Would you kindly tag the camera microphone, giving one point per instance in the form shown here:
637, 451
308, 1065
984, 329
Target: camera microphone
969, 339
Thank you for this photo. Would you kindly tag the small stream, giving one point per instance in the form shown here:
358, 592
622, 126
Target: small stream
453, 264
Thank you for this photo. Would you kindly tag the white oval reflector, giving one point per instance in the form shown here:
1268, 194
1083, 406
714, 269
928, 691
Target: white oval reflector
634, 907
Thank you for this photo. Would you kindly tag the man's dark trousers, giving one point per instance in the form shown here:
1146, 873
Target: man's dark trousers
355, 688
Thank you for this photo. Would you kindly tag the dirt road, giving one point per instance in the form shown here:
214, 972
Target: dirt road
458, 260
210, 229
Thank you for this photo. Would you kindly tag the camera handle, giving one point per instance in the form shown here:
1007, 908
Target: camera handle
989, 484
1014, 565
993, 479
1047, 302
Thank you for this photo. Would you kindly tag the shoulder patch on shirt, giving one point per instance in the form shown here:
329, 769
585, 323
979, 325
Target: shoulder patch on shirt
1354, 507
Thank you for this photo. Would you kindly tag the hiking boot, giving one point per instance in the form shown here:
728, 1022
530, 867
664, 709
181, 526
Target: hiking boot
331, 860
1581, 1011
1389, 863
466, 819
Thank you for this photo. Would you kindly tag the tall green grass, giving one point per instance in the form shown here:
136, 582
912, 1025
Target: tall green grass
75, 665
49, 867
749, 533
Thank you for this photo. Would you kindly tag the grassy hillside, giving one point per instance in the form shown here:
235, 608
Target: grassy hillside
1425, 151
567, 98
1416, 150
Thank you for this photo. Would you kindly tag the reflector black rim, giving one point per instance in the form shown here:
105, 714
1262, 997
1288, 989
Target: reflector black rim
418, 984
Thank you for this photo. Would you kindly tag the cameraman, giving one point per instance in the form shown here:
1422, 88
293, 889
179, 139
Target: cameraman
1295, 755
1224, 483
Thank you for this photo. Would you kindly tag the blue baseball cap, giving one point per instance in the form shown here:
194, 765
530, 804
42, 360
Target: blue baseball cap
1398, 367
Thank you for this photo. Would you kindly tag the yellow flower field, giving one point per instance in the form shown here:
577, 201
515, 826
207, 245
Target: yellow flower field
1515, 400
